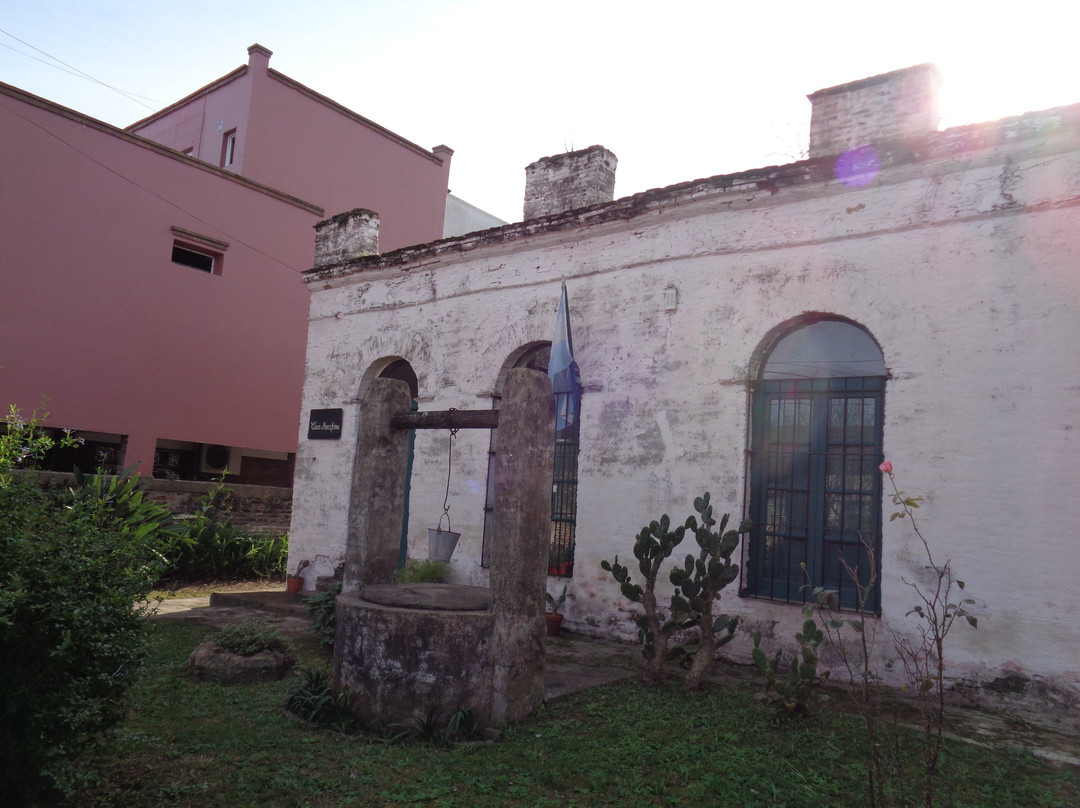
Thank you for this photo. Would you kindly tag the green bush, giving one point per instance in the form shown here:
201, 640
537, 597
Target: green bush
70, 631
248, 639
211, 547
322, 606
423, 571
315, 701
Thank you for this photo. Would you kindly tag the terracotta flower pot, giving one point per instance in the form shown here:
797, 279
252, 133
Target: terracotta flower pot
554, 624
293, 584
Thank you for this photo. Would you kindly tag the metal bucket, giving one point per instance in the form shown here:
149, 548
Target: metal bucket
441, 544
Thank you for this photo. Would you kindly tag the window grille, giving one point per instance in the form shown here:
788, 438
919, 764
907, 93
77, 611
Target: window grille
815, 488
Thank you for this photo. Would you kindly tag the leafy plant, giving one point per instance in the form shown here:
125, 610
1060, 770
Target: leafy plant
652, 547
423, 571
122, 500
25, 441
795, 692
70, 629
698, 585
429, 728
248, 639
212, 547
315, 701
321, 605
556, 603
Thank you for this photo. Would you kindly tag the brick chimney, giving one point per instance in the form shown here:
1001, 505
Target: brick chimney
571, 180
892, 106
346, 236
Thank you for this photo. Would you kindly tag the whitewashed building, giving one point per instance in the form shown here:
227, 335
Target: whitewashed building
770, 337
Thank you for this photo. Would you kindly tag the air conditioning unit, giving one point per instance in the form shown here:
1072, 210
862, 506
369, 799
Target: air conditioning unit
214, 458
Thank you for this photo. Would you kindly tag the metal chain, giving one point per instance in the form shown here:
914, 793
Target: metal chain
449, 466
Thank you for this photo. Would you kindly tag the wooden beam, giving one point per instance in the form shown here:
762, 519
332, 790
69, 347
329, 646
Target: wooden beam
446, 419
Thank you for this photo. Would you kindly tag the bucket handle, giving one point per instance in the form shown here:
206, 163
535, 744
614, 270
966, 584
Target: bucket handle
446, 515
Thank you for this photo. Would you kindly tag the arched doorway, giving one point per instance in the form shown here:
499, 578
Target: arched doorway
564, 484
815, 488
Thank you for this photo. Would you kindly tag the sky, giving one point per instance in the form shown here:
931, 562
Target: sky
677, 90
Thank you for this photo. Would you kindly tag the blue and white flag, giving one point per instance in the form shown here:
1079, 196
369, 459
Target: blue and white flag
563, 370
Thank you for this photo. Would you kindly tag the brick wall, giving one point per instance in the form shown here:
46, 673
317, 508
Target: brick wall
259, 507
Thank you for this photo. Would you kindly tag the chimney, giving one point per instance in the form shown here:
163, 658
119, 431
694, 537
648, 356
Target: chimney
259, 58
571, 180
893, 106
346, 236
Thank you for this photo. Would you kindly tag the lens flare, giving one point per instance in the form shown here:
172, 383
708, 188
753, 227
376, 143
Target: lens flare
858, 167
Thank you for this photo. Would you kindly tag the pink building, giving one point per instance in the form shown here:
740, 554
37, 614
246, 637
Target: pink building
151, 276
153, 299
263, 125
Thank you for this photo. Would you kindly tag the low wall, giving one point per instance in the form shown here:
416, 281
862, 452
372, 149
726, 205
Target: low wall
259, 507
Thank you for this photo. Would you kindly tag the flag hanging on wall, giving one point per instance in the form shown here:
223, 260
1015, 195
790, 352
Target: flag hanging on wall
563, 370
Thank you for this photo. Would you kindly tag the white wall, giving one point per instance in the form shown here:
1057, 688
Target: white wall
963, 269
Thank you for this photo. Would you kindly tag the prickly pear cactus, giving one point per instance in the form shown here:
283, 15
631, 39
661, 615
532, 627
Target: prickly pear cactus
698, 585
652, 547
794, 694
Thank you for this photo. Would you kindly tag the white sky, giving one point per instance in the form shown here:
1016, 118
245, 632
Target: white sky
678, 90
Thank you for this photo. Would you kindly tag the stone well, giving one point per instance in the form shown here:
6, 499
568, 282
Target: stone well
411, 648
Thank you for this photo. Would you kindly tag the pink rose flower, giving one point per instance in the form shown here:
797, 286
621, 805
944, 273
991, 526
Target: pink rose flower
886, 467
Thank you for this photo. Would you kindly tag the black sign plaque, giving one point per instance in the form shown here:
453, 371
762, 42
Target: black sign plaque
324, 424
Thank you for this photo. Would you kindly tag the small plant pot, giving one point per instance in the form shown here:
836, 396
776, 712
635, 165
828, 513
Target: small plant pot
554, 624
293, 584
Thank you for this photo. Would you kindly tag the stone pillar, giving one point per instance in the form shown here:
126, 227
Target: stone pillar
346, 236
567, 181
525, 448
893, 106
377, 497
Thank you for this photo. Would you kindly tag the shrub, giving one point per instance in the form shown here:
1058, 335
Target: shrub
211, 547
321, 605
423, 571
315, 701
248, 639
70, 632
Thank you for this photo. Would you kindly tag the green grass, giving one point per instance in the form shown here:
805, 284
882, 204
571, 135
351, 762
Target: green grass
202, 744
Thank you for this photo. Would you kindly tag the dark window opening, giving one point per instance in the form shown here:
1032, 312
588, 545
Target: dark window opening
191, 258
228, 148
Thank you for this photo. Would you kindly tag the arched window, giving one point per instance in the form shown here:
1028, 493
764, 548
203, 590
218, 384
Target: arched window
815, 488
564, 479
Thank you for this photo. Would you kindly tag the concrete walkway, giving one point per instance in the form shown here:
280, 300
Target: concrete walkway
574, 663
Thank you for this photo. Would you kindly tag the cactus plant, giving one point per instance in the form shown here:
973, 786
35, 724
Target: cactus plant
698, 585
652, 546
794, 693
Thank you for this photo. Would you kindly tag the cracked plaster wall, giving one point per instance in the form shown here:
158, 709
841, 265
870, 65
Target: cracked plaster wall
963, 268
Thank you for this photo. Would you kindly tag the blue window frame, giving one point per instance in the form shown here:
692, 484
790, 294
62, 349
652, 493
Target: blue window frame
815, 488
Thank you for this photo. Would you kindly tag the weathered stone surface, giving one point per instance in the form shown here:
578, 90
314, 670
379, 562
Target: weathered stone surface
435, 597
405, 662
377, 501
567, 181
411, 648
519, 550
212, 663
959, 259
346, 236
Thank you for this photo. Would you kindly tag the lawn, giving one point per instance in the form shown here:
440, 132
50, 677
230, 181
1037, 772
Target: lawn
198, 744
